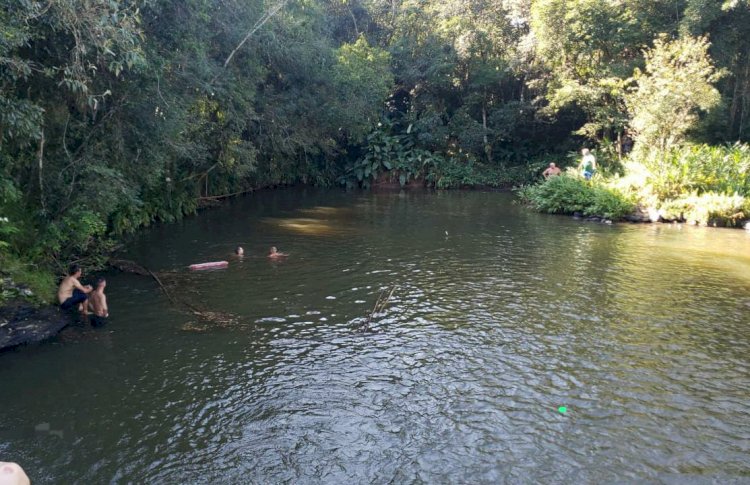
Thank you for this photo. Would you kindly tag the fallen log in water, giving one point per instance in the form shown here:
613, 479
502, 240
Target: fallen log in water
127, 266
212, 317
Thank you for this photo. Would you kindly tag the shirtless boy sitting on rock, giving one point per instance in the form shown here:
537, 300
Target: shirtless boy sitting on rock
72, 293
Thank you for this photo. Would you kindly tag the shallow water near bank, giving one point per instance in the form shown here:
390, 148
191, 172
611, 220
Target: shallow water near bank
498, 318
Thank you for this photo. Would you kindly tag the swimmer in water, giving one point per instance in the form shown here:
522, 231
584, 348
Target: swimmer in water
239, 251
275, 254
98, 300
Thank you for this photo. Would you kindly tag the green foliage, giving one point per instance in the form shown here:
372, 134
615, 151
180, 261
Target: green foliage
79, 236
568, 194
453, 173
9, 197
699, 184
17, 278
363, 79
676, 85
591, 48
390, 158
708, 209
700, 169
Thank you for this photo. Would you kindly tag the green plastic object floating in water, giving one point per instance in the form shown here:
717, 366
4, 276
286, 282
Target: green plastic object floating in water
562, 409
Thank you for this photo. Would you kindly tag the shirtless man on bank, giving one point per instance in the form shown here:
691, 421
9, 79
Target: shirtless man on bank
72, 293
552, 171
98, 300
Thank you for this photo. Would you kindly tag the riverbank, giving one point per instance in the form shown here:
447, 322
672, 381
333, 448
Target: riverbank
26, 311
24, 323
715, 194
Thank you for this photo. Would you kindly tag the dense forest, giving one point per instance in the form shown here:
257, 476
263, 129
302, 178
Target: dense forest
115, 114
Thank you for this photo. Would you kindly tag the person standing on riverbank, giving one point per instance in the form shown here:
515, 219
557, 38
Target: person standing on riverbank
72, 293
588, 164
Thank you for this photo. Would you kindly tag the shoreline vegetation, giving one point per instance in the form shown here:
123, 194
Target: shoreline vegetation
693, 184
116, 115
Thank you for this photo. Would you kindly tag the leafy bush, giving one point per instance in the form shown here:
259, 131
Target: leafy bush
80, 235
398, 158
677, 84
392, 154
709, 209
567, 195
701, 169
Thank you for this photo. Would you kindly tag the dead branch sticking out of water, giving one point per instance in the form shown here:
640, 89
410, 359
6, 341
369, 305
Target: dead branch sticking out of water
218, 319
380, 304
127, 266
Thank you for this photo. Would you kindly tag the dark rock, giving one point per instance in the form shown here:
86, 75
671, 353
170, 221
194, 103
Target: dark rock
642, 214
577, 215
22, 323
594, 219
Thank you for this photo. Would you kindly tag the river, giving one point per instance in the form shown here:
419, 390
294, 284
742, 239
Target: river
498, 318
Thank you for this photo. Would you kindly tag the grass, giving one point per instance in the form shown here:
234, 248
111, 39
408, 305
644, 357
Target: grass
41, 283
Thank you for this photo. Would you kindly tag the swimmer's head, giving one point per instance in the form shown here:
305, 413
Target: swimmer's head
239, 251
274, 250
585, 151
101, 283
73, 270
551, 164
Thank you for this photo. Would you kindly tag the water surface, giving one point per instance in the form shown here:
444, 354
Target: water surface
499, 316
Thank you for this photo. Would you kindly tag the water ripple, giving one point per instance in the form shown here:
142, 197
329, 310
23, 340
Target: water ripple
489, 330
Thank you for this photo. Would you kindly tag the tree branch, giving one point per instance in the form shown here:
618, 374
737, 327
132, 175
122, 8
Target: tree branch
41, 173
261, 21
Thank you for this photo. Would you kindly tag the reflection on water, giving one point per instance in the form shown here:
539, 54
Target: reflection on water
321, 221
307, 226
328, 212
499, 316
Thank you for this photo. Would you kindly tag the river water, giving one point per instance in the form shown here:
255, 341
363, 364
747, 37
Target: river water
497, 318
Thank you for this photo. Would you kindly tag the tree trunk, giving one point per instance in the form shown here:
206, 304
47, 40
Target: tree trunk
487, 147
354, 19
41, 174
735, 106
745, 101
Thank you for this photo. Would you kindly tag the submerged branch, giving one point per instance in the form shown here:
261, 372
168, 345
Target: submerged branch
219, 318
380, 305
